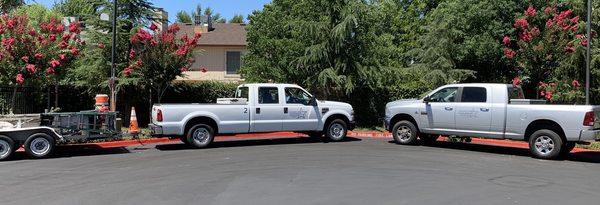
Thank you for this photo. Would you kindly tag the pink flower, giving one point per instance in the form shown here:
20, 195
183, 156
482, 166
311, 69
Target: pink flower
525, 36
184, 69
516, 81
63, 45
75, 51
173, 28
127, 71
50, 70
59, 28
32, 33
521, 23
74, 27
584, 42
38, 56
575, 83
570, 49
548, 10
54, 63
10, 24
548, 95
549, 23
52, 37
66, 37
506, 40
204, 70
62, 57
509, 53
101, 45
131, 54
575, 20
182, 51
31, 68
20, 79
153, 27
530, 11
542, 93
25, 59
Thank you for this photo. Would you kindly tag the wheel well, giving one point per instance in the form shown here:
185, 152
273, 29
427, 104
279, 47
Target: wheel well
544, 124
204, 120
333, 117
400, 117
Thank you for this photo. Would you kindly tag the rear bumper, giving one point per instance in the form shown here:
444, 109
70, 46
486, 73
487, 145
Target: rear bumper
589, 135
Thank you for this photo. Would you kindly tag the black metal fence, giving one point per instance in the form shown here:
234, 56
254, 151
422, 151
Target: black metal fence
26, 100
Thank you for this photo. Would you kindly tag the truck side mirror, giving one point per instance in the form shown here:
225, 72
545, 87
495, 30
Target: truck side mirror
427, 99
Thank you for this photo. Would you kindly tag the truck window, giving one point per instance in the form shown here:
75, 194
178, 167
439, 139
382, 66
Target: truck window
515, 93
296, 96
444, 95
474, 94
268, 95
241, 92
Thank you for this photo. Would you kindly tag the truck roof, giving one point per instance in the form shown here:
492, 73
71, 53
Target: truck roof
270, 84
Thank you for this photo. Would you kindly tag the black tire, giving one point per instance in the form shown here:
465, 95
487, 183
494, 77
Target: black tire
567, 148
405, 133
336, 130
545, 144
205, 135
40, 145
7, 147
428, 139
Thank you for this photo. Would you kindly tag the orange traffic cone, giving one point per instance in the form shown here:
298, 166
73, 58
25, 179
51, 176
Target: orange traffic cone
133, 123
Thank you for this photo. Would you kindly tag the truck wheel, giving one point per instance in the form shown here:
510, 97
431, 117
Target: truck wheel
336, 130
545, 144
428, 139
405, 133
200, 136
7, 147
39, 145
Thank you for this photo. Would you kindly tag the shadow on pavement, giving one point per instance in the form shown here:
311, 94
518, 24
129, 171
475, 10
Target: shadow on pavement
253, 142
75, 151
585, 156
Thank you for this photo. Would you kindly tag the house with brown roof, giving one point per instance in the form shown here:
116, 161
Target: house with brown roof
219, 53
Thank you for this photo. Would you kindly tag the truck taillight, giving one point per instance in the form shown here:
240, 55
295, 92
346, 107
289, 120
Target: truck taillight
159, 115
588, 120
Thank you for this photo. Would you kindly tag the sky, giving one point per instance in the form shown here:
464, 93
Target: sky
227, 8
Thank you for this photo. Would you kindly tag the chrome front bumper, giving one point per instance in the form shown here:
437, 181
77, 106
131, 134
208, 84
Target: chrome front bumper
589, 135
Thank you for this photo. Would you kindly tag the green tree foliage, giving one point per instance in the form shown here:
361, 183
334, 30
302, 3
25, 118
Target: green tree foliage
8, 5
238, 18
183, 17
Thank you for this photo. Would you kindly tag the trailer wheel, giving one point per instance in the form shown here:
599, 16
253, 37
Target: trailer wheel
39, 145
7, 147
200, 135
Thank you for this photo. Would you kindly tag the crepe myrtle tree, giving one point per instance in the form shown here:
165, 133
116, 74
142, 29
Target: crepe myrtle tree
36, 55
544, 49
158, 58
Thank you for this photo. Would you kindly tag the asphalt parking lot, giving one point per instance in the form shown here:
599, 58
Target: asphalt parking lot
301, 171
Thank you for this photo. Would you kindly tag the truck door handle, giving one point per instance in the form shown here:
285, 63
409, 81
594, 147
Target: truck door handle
285, 110
484, 109
449, 108
257, 110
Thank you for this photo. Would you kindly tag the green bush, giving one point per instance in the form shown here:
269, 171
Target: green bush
201, 92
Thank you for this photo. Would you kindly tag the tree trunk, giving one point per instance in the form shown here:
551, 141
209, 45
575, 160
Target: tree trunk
56, 95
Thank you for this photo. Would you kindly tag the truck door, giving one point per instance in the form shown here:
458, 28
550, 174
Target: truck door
439, 111
298, 114
473, 111
268, 111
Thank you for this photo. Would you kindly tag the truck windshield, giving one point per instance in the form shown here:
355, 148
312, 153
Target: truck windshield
241, 92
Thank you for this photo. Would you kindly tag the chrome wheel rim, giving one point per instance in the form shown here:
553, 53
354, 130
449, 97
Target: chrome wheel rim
544, 145
5, 149
336, 130
404, 133
40, 146
201, 135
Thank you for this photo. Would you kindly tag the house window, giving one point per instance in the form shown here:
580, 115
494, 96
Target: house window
234, 62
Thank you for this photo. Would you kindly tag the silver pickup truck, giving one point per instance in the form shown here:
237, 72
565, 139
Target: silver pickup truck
256, 108
492, 111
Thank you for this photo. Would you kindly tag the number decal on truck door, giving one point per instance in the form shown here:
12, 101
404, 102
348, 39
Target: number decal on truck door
245, 110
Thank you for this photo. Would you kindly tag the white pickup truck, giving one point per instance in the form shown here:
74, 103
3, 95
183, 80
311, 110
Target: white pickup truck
256, 108
493, 111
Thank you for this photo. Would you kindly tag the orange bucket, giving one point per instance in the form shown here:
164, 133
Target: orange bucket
101, 99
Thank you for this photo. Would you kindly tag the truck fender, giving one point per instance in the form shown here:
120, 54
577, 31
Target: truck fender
193, 115
330, 113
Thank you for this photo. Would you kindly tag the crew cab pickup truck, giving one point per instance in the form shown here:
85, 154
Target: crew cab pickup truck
495, 111
256, 108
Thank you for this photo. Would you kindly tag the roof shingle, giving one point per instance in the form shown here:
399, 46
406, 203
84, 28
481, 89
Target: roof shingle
224, 34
